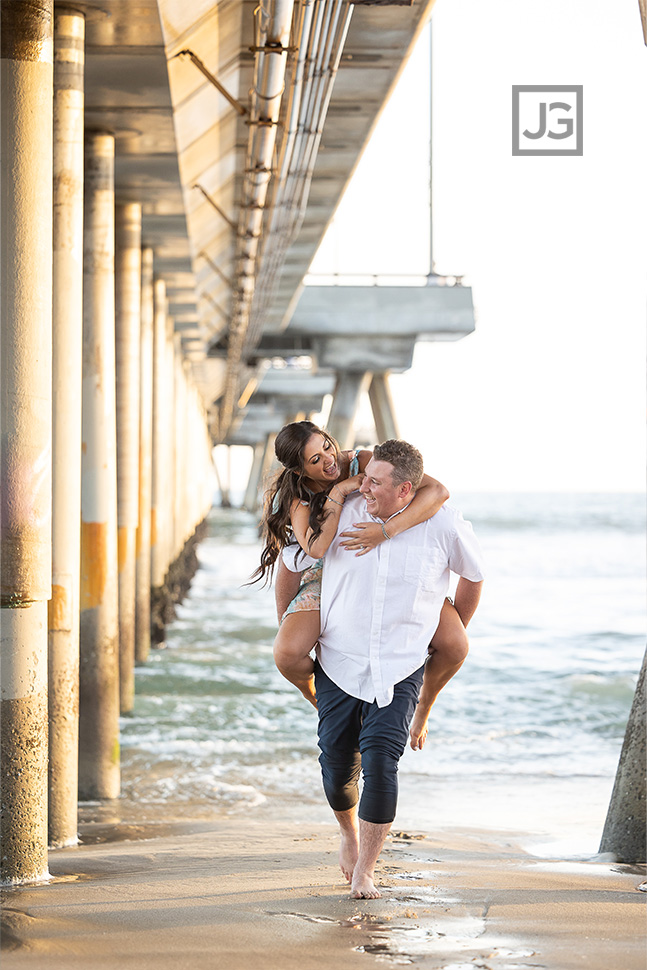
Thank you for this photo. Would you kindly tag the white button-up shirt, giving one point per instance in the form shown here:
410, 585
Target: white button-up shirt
379, 611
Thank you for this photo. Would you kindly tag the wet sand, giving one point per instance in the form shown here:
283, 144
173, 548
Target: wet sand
265, 895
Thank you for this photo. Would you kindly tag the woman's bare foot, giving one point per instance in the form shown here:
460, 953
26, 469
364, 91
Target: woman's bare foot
297, 635
418, 729
308, 691
363, 887
348, 853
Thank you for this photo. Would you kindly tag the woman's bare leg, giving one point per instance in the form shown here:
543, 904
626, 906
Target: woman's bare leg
297, 636
448, 650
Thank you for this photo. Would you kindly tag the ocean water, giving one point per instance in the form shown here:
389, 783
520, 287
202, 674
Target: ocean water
526, 738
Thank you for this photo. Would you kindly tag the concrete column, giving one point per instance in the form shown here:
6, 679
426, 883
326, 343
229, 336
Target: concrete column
379, 393
349, 388
63, 616
128, 274
179, 517
251, 500
225, 501
25, 453
99, 775
143, 546
269, 458
160, 453
625, 829
163, 465
170, 445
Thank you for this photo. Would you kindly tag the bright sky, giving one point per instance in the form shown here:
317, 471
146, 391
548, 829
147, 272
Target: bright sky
549, 392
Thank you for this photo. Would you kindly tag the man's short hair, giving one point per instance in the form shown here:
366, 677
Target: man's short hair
406, 460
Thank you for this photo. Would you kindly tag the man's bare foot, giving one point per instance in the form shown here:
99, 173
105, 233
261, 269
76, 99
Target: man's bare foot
348, 853
363, 887
418, 729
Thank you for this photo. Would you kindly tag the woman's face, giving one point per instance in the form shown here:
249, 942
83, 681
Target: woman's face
320, 460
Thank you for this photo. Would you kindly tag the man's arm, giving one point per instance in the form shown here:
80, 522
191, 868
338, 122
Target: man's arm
285, 588
467, 599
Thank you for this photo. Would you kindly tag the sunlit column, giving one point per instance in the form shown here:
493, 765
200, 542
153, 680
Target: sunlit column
250, 502
170, 391
26, 403
128, 273
181, 456
143, 569
99, 774
69, 38
386, 422
349, 388
162, 458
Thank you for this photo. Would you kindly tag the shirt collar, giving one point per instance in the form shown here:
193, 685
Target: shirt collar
376, 518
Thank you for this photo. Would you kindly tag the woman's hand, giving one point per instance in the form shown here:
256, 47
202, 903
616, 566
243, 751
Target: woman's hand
348, 485
367, 536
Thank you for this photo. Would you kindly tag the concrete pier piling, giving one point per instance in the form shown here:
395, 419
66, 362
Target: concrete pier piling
69, 35
169, 391
349, 387
162, 454
386, 422
128, 230
26, 403
99, 774
625, 828
178, 515
251, 499
143, 543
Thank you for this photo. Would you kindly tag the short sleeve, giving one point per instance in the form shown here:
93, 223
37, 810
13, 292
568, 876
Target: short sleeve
466, 557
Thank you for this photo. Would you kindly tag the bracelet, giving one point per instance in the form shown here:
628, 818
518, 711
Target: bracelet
340, 504
386, 534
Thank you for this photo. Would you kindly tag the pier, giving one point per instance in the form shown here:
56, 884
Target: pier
168, 174
169, 171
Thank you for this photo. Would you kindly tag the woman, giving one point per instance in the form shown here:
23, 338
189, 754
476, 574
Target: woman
303, 506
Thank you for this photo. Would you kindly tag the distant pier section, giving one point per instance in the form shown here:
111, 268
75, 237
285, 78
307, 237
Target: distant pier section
344, 340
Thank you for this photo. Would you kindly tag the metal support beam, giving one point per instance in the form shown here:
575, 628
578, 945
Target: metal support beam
202, 67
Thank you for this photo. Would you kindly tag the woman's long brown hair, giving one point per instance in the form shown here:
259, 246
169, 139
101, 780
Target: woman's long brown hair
288, 485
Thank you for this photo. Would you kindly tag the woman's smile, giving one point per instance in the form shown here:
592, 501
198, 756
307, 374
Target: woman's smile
320, 460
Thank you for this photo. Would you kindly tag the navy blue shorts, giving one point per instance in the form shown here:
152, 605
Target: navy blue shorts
356, 735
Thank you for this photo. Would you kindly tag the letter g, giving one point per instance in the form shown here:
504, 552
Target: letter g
567, 122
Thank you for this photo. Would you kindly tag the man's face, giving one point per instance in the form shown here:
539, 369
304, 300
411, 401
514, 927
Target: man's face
382, 496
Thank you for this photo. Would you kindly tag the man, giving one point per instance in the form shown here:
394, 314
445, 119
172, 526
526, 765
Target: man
378, 614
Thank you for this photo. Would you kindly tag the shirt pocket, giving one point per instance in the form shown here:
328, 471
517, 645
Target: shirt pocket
423, 567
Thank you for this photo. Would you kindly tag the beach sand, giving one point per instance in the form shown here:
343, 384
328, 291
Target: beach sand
265, 895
